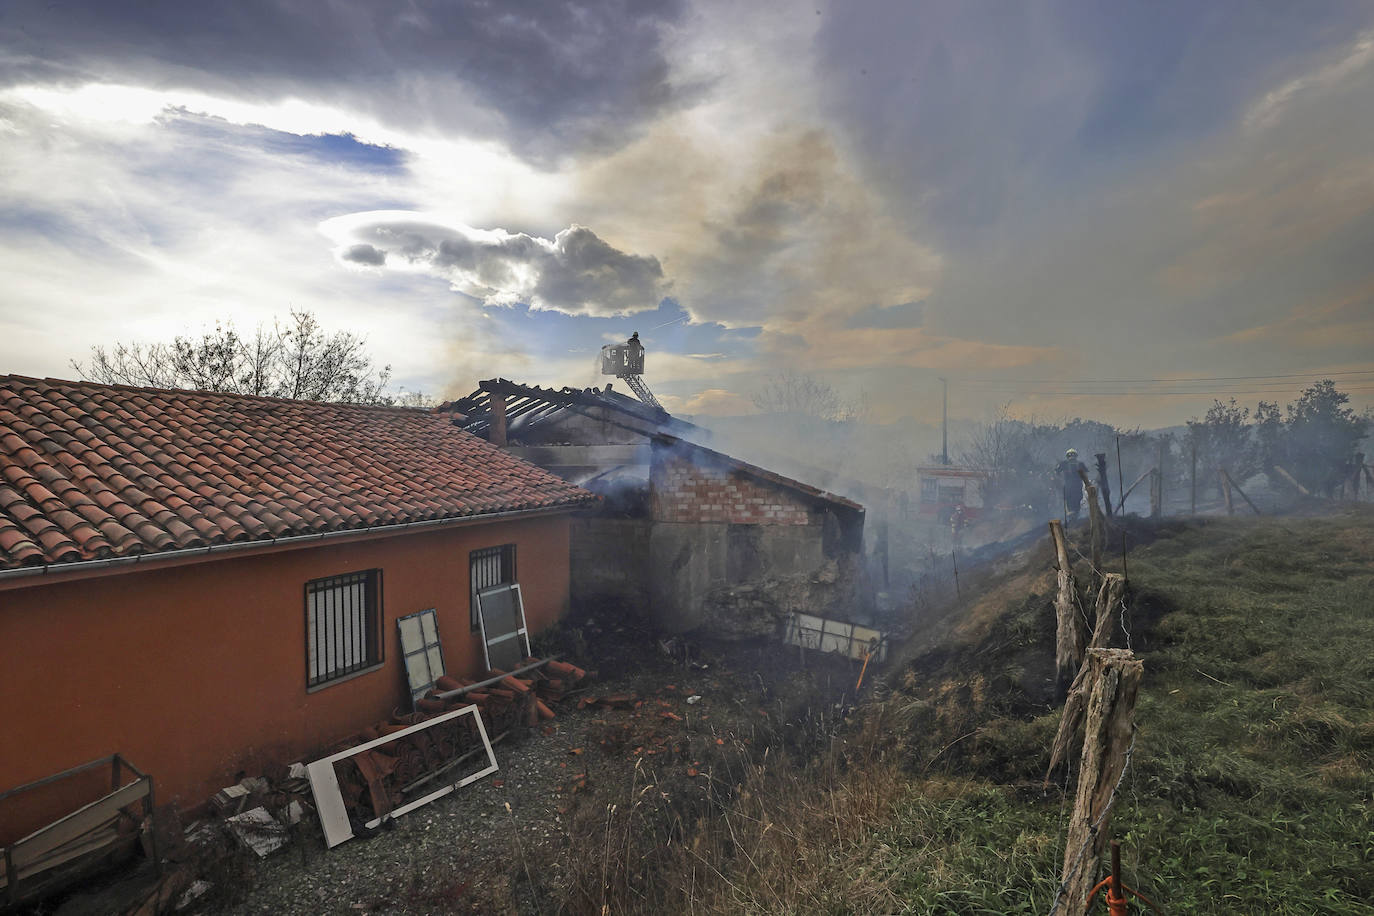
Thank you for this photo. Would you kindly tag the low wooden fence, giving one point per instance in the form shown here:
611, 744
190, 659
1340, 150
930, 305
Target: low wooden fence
67, 847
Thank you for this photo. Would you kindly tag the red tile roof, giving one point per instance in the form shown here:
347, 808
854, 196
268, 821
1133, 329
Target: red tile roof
94, 471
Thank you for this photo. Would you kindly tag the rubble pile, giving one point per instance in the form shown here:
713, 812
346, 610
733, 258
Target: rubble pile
507, 700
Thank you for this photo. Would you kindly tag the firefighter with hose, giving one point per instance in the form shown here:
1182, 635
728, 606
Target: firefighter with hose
1069, 470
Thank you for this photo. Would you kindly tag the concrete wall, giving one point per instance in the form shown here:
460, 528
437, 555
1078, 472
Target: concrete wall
195, 672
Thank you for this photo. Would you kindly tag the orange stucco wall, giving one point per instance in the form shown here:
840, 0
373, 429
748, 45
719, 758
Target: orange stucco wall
198, 671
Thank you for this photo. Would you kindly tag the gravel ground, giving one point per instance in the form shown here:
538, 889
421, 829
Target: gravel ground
515, 841
506, 843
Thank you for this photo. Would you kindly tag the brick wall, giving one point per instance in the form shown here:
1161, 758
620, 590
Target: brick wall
684, 491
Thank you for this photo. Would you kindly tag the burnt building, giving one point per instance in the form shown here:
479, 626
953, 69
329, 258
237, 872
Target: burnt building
685, 536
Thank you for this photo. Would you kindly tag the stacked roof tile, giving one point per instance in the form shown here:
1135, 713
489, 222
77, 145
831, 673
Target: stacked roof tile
97, 471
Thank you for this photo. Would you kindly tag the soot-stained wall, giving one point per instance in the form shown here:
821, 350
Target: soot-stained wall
610, 566
731, 553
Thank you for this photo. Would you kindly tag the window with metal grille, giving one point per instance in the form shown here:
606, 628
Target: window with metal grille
342, 625
488, 566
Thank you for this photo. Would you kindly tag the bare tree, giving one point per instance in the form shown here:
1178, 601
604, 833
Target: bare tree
796, 393
1018, 455
298, 359
807, 423
1015, 455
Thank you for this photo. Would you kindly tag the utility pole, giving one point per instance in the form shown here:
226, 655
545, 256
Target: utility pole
944, 422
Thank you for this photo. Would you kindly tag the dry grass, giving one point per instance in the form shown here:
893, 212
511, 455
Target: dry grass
759, 830
1250, 790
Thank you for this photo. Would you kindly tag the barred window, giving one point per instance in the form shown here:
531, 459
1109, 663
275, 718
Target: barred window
488, 567
342, 625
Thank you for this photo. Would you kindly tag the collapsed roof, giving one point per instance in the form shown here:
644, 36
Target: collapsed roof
532, 411
529, 406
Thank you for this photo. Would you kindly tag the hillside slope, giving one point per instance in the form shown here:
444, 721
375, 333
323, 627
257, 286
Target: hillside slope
1250, 788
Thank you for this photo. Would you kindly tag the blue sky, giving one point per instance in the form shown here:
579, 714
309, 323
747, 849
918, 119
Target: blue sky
880, 194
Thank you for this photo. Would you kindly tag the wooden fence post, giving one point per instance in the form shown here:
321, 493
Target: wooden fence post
1226, 490
1097, 529
1114, 676
1068, 635
1156, 493
1109, 598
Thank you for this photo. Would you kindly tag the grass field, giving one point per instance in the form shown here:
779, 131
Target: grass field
1250, 787
1249, 790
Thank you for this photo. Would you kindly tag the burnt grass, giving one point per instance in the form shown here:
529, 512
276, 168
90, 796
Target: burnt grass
1249, 789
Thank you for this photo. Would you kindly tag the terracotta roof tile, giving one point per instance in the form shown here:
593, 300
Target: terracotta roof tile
90, 471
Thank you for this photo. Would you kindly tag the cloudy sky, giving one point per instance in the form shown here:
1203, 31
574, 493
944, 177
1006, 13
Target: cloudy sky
1063, 207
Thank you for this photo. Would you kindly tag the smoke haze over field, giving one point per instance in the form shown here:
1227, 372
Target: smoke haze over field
1035, 201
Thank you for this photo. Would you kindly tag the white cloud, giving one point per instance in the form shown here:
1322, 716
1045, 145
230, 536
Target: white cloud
719, 402
575, 272
1270, 108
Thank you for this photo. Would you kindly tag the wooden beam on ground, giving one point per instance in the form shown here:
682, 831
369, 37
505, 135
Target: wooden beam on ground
1069, 638
1114, 675
1289, 477
1232, 485
85, 819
